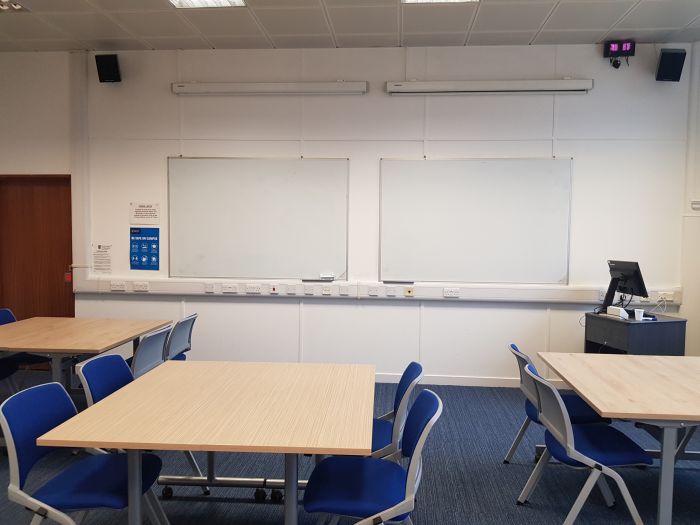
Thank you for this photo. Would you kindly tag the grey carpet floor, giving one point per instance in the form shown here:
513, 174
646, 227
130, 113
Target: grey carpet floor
464, 480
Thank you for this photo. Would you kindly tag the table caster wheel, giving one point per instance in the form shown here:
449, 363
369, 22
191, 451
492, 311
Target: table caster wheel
206, 492
260, 495
167, 492
277, 496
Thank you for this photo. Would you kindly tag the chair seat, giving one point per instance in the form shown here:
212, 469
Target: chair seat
602, 443
96, 481
355, 486
579, 411
179, 357
381, 433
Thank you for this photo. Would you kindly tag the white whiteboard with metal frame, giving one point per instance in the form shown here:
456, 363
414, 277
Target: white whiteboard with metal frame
258, 218
475, 220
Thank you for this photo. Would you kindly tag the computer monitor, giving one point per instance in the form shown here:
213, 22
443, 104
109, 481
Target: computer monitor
626, 278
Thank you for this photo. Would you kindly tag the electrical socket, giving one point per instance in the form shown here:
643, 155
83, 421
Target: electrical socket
208, 287
665, 296
450, 292
229, 288
253, 288
291, 289
308, 289
343, 290
391, 291
373, 291
644, 300
117, 286
140, 286
274, 289
326, 289
408, 291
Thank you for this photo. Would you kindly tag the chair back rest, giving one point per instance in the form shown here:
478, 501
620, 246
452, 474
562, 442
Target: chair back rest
26, 416
409, 379
6, 316
423, 414
180, 339
104, 375
149, 353
552, 411
527, 385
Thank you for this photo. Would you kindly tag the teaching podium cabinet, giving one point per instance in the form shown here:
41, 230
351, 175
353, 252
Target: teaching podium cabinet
607, 334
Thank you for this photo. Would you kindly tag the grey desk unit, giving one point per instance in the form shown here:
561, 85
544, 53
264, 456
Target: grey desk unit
607, 334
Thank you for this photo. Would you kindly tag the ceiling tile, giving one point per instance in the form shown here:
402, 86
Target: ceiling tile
26, 25
114, 44
283, 3
437, 18
685, 35
300, 21
569, 37
364, 19
640, 35
303, 41
133, 5
51, 45
503, 38
10, 45
183, 42
54, 6
433, 39
587, 15
361, 3
521, 16
652, 14
237, 22
89, 26
367, 40
239, 42
164, 23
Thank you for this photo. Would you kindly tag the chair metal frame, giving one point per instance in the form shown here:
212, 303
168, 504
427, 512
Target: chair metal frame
413, 478
399, 418
41, 510
555, 418
528, 388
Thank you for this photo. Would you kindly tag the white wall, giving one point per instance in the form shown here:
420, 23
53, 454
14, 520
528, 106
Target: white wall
628, 138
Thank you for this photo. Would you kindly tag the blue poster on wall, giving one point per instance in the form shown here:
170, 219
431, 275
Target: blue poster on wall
145, 248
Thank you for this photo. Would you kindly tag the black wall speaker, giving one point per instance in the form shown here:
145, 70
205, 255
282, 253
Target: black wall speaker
108, 68
670, 65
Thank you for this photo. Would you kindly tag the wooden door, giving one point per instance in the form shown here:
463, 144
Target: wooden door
35, 245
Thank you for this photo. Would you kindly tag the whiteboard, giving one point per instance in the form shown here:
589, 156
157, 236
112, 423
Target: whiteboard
475, 221
258, 218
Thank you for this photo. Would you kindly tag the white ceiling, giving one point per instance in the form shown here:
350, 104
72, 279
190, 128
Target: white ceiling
155, 24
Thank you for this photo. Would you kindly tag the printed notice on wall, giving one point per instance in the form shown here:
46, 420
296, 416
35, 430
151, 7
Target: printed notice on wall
145, 213
102, 258
145, 248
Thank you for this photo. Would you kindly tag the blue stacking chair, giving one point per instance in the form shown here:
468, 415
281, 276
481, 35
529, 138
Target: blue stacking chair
6, 316
149, 353
579, 411
371, 489
595, 447
97, 481
105, 374
387, 429
180, 340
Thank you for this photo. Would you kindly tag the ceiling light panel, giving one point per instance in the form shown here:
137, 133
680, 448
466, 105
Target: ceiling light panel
193, 4
437, 1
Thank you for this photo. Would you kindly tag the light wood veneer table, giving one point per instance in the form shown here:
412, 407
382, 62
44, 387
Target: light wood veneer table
59, 337
288, 408
659, 390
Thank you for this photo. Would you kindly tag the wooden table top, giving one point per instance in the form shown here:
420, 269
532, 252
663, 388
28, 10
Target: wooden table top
69, 335
303, 408
637, 387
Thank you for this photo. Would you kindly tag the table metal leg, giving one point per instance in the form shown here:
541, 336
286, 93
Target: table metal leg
291, 489
135, 481
57, 369
668, 459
